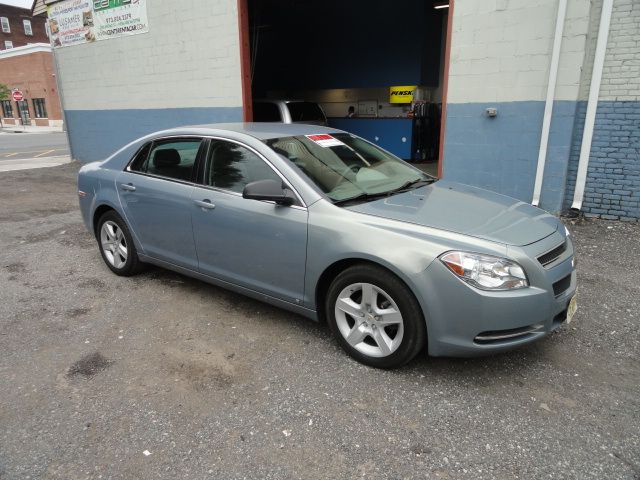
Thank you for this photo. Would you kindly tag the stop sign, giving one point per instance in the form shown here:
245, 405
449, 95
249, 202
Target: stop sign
17, 95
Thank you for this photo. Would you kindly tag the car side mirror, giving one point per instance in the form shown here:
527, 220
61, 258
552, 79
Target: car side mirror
268, 190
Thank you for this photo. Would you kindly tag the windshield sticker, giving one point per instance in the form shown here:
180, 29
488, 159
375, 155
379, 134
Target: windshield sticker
325, 140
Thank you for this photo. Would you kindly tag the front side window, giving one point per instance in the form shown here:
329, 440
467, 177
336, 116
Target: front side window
231, 167
168, 158
346, 167
27, 27
7, 109
39, 108
4, 21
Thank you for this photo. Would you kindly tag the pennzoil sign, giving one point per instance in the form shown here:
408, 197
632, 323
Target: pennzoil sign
401, 94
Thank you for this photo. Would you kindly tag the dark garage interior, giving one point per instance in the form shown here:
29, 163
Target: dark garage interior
350, 54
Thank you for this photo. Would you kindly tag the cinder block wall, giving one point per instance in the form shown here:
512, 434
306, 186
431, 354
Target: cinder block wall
612, 190
184, 71
500, 57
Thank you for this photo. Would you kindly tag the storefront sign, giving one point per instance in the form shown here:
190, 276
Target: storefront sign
17, 95
401, 94
82, 21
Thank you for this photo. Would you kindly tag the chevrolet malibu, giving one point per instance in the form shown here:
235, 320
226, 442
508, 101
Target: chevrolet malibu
323, 223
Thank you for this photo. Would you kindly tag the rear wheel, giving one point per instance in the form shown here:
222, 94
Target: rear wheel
116, 245
375, 317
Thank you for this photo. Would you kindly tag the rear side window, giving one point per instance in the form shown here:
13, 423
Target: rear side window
305, 112
266, 112
171, 158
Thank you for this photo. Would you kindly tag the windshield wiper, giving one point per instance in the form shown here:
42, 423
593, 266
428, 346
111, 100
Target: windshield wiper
361, 197
412, 185
406, 187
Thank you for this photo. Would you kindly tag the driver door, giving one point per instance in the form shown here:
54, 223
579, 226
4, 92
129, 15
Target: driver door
252, 243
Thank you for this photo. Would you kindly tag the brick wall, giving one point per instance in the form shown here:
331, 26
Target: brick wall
31, 71
612, 190
17, 35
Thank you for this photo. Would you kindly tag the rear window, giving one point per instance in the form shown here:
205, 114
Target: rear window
305, 112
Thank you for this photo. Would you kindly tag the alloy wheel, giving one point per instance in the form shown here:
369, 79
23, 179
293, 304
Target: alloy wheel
114, 244
369, 319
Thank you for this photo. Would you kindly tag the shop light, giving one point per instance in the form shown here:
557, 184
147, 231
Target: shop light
440, 5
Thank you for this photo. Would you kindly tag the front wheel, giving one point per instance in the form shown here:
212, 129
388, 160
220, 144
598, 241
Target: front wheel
375, 317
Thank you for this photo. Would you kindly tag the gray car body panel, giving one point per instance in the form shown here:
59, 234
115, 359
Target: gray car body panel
404, 233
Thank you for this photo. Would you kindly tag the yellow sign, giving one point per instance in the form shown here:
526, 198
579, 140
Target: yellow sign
402, 94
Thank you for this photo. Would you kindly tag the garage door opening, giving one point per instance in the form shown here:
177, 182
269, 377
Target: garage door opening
375, 69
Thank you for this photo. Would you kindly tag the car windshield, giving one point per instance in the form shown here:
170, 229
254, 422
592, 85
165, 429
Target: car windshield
346, 167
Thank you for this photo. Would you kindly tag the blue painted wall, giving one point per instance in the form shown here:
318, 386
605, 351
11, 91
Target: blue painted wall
501, 153
96, 134
612, 190
389, 132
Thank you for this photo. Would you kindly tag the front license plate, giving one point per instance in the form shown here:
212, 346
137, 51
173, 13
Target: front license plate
571, 310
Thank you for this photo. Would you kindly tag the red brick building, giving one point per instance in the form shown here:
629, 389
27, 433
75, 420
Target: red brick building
18, 28
26, 64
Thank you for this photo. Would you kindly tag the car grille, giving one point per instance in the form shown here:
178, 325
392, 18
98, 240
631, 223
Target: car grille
552, 255
562, 285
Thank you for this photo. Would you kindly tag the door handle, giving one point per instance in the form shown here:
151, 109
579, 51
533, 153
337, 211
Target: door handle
205, 204
128, 187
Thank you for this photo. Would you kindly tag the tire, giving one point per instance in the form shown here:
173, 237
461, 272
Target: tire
388, 334
116, 245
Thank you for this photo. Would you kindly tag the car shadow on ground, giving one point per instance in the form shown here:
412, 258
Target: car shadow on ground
480, 371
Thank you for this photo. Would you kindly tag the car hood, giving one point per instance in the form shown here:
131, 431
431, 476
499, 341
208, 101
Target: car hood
467, 210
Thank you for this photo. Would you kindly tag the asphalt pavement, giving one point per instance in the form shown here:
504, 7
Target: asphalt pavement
162, 376
24, 146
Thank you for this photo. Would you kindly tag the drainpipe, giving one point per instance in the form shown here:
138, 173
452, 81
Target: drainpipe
592, 104
548, 106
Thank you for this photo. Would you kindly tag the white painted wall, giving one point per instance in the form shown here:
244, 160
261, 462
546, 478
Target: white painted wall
501, 50
621, 72
189, 58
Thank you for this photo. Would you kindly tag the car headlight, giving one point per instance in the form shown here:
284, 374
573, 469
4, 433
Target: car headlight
485, 271
566, 230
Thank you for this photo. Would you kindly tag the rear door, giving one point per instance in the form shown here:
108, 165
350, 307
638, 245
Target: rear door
252, 243
155, 192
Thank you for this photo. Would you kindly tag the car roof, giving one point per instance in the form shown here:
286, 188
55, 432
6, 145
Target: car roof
264, 131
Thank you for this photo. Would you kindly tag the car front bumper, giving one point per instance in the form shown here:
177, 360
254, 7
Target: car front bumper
464, 321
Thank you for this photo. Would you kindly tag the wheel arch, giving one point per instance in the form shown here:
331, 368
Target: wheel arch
333, 270
99, 211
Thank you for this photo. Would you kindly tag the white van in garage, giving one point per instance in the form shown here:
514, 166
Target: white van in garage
288, 111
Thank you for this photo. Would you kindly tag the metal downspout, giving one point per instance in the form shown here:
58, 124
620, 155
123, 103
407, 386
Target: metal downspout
548, 106
592, 104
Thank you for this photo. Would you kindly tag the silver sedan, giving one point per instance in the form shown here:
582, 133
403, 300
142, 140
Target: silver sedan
325, 224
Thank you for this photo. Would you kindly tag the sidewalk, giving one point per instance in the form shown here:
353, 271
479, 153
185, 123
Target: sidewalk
32, 163
29, 129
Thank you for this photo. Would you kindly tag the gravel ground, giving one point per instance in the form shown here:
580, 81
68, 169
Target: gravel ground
162, 376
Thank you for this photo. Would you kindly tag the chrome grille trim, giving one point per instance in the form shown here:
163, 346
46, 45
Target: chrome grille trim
487, 337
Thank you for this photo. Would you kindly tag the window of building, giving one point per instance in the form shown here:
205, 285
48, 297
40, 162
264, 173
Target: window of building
5, 24
39, 108
27, 27
8, 44
7, 109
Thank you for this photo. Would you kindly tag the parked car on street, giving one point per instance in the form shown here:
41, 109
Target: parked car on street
288, 111
326, 224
